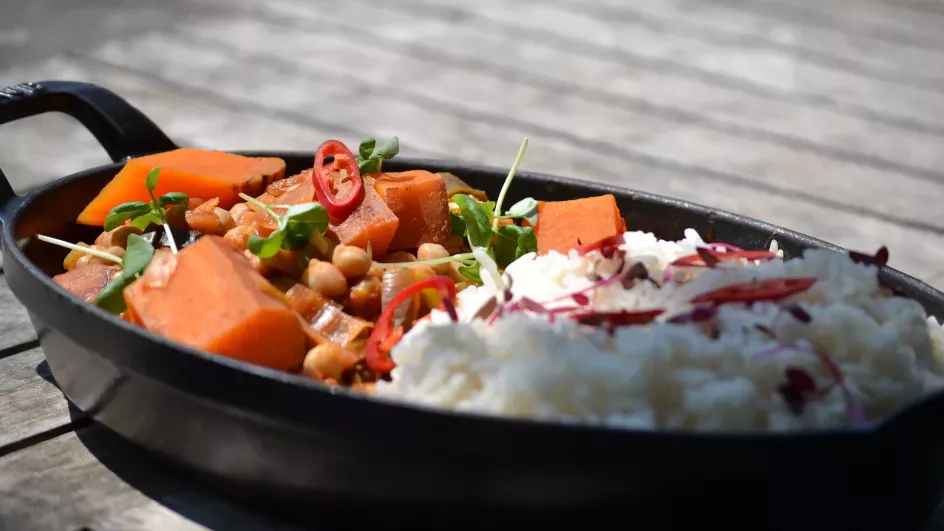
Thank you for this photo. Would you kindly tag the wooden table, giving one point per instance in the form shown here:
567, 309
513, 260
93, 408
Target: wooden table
825, 117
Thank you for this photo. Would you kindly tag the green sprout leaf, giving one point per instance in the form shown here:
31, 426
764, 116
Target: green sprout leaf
371, 159
174, 199
151, 180
527, 209
471, 272
513, 242
476, 220
366, 148
457, 224
301, 221
124, 212
297, 228
143, 222
266, 247
388, 149
136, 259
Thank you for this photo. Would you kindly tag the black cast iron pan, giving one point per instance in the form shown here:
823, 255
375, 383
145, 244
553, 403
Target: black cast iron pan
289, 442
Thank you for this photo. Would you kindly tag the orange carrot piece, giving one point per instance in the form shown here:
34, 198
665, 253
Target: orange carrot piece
209, 297
589, 219
203, 219
195, 172
295, 190
87, 281
372, 222
418, 198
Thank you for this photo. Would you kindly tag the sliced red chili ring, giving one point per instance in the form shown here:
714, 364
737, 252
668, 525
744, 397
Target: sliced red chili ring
697, 260
383, 339
338, 209
772, 289
621, 318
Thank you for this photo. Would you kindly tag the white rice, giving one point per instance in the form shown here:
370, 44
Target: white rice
673, 376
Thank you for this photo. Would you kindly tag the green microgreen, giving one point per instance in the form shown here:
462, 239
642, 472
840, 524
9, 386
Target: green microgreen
370, 156
143, 214
137, 257
300, 225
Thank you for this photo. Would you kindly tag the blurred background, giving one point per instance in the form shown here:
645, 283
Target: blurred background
825, 117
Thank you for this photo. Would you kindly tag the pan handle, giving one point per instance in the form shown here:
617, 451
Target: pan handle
119, 127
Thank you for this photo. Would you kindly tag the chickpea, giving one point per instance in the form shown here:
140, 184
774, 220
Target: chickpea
399, 256
323, 362
433, 251
352, 261
117, 237
238, 237
454, 273
237, 212
117, 251
226, 220
365, 297
87, 259
71, 260
454, 244
324, 278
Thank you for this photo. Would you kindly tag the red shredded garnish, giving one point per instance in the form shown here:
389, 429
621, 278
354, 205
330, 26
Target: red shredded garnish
581, 299
613, 241
708, 258
698, 315
383, 339
797, 383
879, 259
338, 209
772, 289
620, 318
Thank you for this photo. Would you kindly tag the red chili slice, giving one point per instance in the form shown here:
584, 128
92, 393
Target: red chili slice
383, 339
697, 260
772, 289
338, 209
622, 318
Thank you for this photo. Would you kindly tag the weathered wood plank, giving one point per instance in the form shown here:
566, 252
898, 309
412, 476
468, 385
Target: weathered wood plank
471, 96
15, 326
892, 21
747, 26
30, 403
769, 69
609, 81
92, 478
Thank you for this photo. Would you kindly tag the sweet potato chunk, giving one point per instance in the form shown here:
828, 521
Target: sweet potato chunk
87, 281
418, 198
195, 172
372, 221
562, 223
210, 297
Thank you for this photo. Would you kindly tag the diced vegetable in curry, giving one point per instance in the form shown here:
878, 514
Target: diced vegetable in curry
318, 273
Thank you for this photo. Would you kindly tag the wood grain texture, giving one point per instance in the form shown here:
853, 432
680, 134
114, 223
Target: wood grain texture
464, 96
863, 55
92, 478
767, 69
492, 49
30, 402
15, 326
